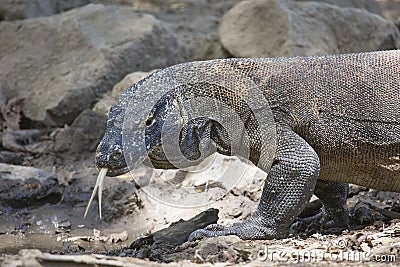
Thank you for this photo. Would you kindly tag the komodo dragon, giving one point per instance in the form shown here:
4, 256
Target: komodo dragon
337, 121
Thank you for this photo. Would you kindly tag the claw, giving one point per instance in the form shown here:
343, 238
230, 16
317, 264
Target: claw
215, 227
202, 233
212, 230
196, 235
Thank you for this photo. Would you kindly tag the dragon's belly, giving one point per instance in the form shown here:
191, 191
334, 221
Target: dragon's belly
363, 153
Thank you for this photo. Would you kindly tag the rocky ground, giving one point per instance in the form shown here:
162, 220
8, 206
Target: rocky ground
64, 63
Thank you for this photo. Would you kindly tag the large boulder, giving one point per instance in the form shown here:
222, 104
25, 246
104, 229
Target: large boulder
195, 23
268, 28
369, 5
22, 9
84, 134
391, 10
61, 64
111, 98
22, 187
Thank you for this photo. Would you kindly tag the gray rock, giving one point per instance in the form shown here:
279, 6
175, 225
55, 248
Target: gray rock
22, 187
391, 10
264, 28
11, 157
22, 9
194, 22
61, 64
369, 5
84, 134
111, 98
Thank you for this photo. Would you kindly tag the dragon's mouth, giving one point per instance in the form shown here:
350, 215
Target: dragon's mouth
117, 171
114, 167
114, 171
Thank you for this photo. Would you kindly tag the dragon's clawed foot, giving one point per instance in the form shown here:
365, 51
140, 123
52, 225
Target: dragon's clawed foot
246, 230
211, 230
322, 223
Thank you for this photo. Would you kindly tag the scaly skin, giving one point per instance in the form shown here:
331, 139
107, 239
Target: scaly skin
337, 122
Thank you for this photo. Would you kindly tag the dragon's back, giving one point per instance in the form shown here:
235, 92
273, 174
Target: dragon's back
347, 107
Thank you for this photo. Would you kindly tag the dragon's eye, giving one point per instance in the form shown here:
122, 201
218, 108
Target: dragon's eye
149, 122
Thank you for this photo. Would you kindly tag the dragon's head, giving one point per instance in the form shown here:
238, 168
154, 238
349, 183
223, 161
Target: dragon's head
109, 153
172, 138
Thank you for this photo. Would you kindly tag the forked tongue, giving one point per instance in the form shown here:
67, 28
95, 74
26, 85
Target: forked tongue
98, 187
